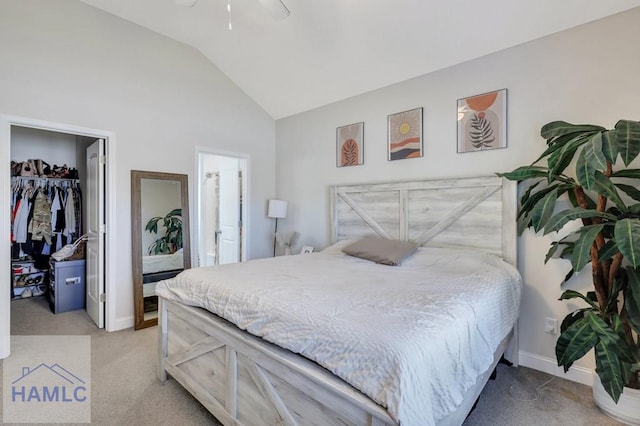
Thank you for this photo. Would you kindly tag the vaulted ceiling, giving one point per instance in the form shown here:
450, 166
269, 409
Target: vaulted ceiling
328, 50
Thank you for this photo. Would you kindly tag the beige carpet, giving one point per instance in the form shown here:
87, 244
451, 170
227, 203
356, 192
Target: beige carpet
127, 392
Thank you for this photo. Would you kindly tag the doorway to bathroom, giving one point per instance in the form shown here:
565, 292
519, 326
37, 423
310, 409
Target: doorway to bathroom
222, 207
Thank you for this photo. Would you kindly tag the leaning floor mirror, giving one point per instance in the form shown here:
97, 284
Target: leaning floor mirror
160, 237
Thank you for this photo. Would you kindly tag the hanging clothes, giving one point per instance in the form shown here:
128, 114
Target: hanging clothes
40, 225
69, 216
45, 215
21, 220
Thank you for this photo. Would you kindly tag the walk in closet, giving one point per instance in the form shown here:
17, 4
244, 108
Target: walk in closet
47, 204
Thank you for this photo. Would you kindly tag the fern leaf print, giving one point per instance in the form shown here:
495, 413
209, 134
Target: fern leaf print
349, 145
482, 121
481, 136
349, 153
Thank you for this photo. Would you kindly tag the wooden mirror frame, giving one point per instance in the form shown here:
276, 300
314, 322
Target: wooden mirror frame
136, 236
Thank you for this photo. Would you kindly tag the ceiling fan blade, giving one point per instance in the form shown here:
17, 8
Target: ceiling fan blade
186, 3
276, 8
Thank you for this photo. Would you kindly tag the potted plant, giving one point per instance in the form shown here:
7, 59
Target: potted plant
604, 195
172, 239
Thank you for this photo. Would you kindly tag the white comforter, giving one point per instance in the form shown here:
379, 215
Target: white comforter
162, 262
413, 338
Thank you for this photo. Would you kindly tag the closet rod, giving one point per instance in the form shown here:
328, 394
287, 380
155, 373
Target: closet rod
44, 178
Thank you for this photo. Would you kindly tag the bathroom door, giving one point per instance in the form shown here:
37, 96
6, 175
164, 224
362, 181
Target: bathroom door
229, 205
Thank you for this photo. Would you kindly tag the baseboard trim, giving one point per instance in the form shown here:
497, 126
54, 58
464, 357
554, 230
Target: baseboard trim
122, 323
548, 365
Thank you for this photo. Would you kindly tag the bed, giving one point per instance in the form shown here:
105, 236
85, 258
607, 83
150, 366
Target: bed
242, 378
160, 267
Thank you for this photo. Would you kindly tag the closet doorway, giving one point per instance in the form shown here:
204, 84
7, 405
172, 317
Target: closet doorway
85, 153
222, 207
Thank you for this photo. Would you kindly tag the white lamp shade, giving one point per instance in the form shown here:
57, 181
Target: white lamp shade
277, 209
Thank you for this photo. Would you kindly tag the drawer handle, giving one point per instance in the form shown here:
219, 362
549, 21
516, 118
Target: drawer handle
73, 280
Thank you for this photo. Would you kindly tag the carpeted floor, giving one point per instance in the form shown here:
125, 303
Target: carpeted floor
126, 390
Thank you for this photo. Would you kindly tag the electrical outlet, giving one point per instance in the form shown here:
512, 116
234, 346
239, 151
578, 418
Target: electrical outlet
551, 326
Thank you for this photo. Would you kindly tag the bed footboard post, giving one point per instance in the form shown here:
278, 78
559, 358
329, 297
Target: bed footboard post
162, 339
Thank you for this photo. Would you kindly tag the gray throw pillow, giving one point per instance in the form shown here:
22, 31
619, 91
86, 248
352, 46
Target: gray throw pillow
381, 250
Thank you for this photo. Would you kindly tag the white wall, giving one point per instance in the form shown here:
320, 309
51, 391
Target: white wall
53, 147
587, 74
66, 62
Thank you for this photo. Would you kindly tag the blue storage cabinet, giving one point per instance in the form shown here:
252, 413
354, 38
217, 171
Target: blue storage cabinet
66, 285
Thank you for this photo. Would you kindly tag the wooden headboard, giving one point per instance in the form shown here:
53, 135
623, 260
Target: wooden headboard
478, 213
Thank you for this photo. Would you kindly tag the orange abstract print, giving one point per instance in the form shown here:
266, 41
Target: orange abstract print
405, 135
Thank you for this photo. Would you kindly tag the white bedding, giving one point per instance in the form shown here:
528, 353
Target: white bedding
413, 338
162, 262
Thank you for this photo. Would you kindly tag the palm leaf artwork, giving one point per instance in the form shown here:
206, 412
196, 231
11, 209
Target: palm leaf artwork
481, 135
350, 153
602, 195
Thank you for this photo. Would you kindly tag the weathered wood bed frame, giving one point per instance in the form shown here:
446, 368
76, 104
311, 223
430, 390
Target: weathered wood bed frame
244, 380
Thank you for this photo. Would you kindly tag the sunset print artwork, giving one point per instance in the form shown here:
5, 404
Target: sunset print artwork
405, 134
482, 122
350, 145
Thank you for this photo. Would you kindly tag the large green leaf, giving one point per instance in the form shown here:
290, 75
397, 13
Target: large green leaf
594, 152
572, 294
632, 298
627, 235
560, 219
556, 144
152, 225
533, 198
584, 170
572, 318
581, 252
631, 191
525, 172
627, 173
603, 330
560, 128
575, 342
608, 369
610, 145
560, 160
604, 186
628, 136
543, 210
590, 159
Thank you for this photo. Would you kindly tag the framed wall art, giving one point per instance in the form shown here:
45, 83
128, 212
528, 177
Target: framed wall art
350, 145
482, 122
405, 134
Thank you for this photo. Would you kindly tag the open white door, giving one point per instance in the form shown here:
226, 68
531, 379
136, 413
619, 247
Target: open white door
95, 229
229, 242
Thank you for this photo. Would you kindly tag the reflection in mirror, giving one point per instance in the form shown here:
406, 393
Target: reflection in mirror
160, 237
